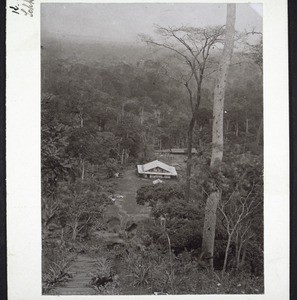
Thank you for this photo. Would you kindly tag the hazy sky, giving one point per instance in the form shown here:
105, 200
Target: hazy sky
122, 22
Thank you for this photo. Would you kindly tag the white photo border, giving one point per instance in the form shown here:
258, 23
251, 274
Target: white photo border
23, 155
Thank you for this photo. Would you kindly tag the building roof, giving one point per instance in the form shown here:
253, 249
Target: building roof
145, 169
177, 151
163, 151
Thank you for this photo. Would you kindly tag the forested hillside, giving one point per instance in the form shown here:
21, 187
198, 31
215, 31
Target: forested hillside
107, 107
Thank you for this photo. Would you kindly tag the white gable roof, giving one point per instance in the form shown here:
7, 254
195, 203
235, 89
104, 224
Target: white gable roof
156, 164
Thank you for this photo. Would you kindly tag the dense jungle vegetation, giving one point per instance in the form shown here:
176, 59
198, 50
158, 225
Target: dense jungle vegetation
106, 107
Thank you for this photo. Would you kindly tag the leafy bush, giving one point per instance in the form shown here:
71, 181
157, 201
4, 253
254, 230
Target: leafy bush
77, 209
139, 268
104, 281
177, 208
152, 194
55, 261
183, 221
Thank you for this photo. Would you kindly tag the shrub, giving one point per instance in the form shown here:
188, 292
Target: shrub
177, 209
104, 281
152, 194
55, 262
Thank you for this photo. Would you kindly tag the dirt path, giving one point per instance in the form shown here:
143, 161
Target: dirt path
80, 270
127, 187
125, 206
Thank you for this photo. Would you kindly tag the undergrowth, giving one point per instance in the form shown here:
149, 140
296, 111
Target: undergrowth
56, 260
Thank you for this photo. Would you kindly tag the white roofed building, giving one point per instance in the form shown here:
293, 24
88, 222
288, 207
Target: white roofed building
156, 169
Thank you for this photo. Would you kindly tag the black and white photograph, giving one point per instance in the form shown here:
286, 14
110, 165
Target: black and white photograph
152, 149
147, 149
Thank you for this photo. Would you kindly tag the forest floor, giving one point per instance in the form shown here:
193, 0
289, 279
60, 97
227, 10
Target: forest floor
83, 267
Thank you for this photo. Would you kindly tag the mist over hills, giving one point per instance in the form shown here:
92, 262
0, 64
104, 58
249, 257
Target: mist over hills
110, 22
94, 51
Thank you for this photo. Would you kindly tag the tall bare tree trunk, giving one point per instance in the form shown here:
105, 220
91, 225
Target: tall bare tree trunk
122, 156
82, 160
227, 126
259, 133
189, 158
82, 169
238, 256
142, 116
62, 237
219, 92
226, 254
217, 137
159, 118
246, 126
209, 229
74, 232
190, 136
243, 255
236, 129
81, 120
123, 111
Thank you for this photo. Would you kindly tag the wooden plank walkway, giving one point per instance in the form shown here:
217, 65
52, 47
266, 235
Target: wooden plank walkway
80, 270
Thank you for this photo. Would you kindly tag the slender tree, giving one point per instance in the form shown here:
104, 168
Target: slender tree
217, 136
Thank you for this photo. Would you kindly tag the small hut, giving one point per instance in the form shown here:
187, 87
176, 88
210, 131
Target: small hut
156, 169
